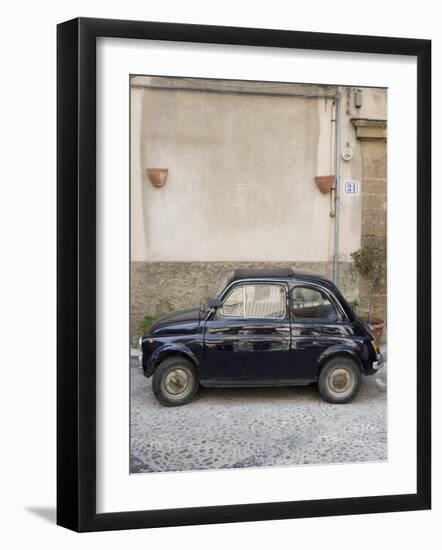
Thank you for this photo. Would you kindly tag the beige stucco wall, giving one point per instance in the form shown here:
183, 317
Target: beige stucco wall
241, 183
237, 164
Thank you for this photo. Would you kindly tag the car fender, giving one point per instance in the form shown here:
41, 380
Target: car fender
340, 349
166, 351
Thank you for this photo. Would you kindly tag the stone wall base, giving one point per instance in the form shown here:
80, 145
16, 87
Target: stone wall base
159, 287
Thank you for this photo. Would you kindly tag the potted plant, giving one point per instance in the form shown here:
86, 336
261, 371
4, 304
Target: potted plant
369, 262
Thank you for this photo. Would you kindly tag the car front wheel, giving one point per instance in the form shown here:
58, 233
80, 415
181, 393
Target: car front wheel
174, 381
339, 380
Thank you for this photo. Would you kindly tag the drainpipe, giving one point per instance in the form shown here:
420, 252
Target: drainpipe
333, 157
337, 185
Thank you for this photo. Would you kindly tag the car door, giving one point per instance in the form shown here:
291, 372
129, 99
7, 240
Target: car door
317, 324
247, 340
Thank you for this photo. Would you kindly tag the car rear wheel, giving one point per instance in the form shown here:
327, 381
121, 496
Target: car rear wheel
339, 380
174, 381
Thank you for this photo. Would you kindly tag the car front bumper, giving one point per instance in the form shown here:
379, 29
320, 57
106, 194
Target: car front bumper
378, 364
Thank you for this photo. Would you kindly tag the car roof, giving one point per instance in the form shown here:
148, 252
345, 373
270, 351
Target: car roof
275, 273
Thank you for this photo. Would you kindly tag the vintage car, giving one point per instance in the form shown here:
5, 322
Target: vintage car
262, 327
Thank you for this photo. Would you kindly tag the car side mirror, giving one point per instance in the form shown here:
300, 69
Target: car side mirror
214, 303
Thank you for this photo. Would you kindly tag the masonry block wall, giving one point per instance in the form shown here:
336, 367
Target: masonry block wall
373, 137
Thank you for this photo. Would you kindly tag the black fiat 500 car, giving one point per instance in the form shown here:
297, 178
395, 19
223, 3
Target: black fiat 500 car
262, 328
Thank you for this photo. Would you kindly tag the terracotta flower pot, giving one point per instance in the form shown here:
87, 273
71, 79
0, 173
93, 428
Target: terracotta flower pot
157, 176
325, 183
377, 327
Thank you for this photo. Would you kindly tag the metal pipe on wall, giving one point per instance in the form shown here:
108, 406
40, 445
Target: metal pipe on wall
337, 185
333, 158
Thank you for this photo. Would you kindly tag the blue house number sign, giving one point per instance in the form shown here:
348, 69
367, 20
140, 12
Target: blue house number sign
351, 187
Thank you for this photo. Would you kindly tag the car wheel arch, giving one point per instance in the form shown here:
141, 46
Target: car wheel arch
338, 352
172, 352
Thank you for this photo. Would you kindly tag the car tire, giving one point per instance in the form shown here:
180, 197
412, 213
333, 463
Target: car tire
175, 381
340, 380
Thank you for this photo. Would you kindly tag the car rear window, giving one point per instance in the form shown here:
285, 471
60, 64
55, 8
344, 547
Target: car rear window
312, 304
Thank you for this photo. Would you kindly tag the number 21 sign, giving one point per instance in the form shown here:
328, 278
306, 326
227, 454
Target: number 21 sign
351, 187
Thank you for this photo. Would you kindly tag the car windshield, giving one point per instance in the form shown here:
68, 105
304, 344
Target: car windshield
221, 287
218, 291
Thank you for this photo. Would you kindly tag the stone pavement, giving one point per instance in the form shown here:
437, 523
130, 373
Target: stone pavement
243, 427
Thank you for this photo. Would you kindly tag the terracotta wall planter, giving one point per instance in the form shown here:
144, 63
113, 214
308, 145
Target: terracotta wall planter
325, 183
157, 176
377, 327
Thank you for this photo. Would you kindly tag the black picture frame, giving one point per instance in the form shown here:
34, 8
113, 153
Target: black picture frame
76, 273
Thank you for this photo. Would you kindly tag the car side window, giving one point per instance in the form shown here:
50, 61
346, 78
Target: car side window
311, 304
259, 301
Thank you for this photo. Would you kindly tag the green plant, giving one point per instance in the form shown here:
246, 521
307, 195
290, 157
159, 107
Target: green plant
147, 321
354, 304
369, 262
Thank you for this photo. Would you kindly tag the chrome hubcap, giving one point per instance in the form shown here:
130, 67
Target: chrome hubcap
177, 382
340, 381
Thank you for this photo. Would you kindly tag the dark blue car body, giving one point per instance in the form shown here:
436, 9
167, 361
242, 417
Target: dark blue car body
254, 352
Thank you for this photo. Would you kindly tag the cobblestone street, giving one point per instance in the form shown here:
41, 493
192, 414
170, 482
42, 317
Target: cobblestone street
235, 427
